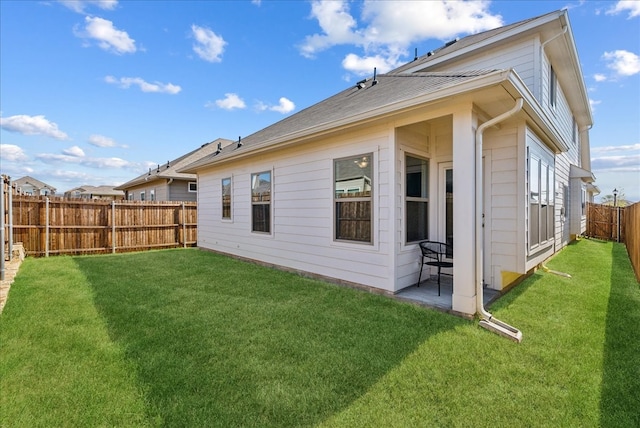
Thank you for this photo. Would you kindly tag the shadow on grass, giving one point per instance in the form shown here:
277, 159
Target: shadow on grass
220, 342
620, 399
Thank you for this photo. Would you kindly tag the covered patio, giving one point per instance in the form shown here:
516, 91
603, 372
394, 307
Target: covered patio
427, 293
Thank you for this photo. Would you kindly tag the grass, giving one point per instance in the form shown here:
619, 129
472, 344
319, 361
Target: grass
191, 338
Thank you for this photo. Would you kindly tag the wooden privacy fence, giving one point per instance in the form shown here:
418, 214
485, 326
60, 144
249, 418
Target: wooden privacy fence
632, 236
52, 225
606, 222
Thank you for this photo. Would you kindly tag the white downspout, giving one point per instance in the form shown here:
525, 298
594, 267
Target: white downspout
486, 319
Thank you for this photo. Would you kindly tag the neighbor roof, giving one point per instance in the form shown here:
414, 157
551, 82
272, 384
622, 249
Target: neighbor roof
171, 168
33, 182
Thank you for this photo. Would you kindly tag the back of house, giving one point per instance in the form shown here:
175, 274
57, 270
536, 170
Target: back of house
347, 188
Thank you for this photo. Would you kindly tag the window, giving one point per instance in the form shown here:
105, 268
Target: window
193, 186
130, 196
541, 198
226, 198
152, 194
142, 196
416, 198
553, 87
261, 202
353, 181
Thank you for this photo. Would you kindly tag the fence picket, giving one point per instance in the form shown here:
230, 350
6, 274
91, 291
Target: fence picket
52, 225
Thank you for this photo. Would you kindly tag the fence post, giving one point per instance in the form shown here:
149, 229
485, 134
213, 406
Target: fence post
618, 224
2, 227
113, 226
184, 227
46, 227
10, 209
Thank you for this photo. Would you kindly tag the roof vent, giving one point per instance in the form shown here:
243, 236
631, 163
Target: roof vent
375, 82
239, 142
415, 56
429, 53
158, 169
167, 164
451, 42
361, 84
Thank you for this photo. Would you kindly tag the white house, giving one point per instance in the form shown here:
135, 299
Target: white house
482, 143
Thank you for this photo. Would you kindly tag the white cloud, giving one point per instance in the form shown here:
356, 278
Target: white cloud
12, 153
108, 37
598, 77
337, 24
80, 5
74, 151
624, 63
102, 141
593, 103
624, 148
631, 6
32, 125
389, 28
209, 46
126, 82
75, 158
285, 106
622, 163
229, 102
363, 66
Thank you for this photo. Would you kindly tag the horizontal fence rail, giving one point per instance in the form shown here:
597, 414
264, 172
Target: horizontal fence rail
52, 225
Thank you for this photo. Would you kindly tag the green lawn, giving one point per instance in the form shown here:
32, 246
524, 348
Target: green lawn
190, 338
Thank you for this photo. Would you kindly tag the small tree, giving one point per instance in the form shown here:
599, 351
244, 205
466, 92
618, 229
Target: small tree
620, 199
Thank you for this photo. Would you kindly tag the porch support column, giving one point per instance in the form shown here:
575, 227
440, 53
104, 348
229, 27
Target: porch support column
464, 251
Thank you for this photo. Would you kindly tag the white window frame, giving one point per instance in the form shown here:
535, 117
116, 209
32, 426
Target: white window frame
424, 198
545, 185
254, 203
142, 196
222, 194
192, 187
364, 157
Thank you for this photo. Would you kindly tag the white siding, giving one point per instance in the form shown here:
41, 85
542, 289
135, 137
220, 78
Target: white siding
520, 56
505, 200
302, 211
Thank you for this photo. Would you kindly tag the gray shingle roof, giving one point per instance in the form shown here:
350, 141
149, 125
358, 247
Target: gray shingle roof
353, 102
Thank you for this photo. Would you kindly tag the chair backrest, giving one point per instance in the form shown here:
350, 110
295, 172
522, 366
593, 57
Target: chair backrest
434, 250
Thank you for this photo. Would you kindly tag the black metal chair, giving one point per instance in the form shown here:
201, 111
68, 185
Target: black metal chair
434, 254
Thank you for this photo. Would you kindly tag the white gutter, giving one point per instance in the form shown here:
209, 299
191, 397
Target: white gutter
486, 319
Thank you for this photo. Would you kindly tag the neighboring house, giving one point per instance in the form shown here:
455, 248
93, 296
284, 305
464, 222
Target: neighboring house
165, 183
30, 186
487, 134
95, 192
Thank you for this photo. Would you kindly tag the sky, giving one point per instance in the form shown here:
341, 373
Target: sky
97, 92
